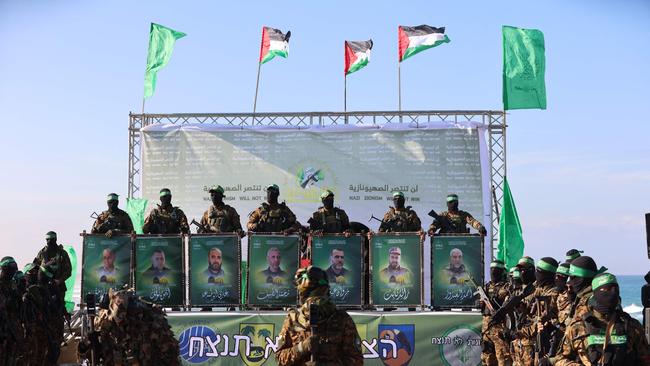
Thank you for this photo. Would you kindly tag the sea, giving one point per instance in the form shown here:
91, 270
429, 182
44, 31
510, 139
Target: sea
630, 286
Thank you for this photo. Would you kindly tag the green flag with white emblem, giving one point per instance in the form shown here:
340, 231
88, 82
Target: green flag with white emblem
524, 66
161, 45
511, 240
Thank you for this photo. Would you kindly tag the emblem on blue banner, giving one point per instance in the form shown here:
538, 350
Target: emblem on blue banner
396, 343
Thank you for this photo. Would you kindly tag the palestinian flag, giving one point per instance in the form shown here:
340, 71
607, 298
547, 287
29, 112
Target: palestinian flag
274, 43
413, 40
357, 55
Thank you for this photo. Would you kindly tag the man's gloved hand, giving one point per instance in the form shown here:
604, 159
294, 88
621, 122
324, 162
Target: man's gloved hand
109, 234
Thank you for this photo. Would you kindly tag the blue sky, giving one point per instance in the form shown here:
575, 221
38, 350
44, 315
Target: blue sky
70, 72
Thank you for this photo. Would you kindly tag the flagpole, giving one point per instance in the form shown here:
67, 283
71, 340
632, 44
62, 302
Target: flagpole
399, 85
143, 99
345, 93
257, 86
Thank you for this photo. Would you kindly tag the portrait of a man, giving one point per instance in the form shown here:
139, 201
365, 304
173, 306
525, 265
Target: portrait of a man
274, 274
394, 273
336, 271
107, 271
158, 271
455, 273
215, 273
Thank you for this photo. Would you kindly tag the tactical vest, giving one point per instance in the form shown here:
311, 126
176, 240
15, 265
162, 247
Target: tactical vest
329, 333
492, 291
615, 353
219, 219
331, 223
399, 220
167, 222
272, 220
457, 223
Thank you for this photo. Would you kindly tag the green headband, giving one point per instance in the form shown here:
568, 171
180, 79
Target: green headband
583, 272
452, 197
561, 270
322, 282
326, 193
512, 269
28, 267
112, 197
7, 261
165, 192
50, 235
574, 255
218, 189
273, 186
526, 260
497, 265
398, 194
47, 272
516, 274
602, 280
541, 264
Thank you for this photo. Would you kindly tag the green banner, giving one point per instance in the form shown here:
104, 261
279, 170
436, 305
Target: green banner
159, 269
341, 258
106, 263
69, 283
395, 339
272, 263
396, 272
453, 260
214, 270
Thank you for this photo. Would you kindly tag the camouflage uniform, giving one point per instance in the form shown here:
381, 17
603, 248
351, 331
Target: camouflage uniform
36, 316
11, 331
457, 222
59, 263
329, 221
118, 222
585, 336
166, 220
496, 351
272, 218
133, 332
563, 307
400, 220
340, 343
580, 305
220, 219
527, 333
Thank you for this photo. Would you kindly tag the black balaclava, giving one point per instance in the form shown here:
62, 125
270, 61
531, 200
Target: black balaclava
581, 272
545, 272
497, 271
561, 276
606, 295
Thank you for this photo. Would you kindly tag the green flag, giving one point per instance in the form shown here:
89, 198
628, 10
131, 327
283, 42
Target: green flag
69, 283
135, 208
511, 241
161, 45
524, 65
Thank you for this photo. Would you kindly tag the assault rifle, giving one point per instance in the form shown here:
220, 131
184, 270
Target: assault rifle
201, 228
388, 224
542, 340
483, 296
443, 222
510, 305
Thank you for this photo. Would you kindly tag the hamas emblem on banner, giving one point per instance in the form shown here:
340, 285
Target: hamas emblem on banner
460, 346
258, 334
396, 343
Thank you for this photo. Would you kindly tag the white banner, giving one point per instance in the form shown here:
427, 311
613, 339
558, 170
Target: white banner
362, 164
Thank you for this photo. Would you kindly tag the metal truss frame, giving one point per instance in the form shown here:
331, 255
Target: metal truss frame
495, 120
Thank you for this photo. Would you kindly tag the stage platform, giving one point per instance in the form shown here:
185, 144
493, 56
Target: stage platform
388, 338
